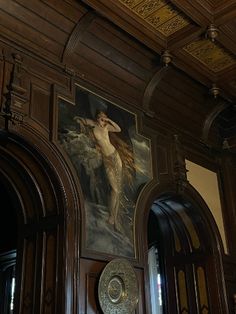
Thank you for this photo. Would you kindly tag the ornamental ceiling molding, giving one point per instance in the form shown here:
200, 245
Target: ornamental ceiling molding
160, 14
200, 35
211, 54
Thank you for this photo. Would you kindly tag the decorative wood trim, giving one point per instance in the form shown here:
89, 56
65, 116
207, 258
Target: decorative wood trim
150, 88
76, 35
211, 118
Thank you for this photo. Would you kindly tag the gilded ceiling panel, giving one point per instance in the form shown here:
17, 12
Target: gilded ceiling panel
211, 54
160, 14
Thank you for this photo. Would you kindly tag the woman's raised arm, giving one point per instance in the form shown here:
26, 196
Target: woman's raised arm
84, 121
112, 126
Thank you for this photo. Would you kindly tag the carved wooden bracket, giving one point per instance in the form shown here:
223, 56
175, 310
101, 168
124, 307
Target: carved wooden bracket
150, 88
76, 36
180, 171
13, 109
219, 107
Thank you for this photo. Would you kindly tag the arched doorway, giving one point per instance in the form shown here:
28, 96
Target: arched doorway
188, 257
8, 245
34, 177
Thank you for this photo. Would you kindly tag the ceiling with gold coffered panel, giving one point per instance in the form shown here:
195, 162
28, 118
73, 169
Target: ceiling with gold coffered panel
160, 14
211, 54
181, 27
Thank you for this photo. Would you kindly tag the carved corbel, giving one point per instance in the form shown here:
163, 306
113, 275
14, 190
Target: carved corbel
180, 171
220, 105
76, 36
166, 59
15, 98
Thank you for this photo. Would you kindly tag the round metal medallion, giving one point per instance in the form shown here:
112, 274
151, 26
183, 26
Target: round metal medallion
118, 288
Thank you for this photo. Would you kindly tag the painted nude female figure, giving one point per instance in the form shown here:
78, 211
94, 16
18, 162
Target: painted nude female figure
111, 160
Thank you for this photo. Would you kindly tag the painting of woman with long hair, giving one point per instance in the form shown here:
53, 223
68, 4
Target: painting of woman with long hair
102, 126
113, 164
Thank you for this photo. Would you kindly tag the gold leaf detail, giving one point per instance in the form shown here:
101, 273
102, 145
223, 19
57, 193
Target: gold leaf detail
161, 16
148, 7
173, 25
210, 54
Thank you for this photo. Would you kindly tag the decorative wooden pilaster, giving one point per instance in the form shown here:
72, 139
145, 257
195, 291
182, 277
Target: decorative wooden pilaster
180, 171
15, 98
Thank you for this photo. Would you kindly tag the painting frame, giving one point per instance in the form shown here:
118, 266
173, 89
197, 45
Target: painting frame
85, 250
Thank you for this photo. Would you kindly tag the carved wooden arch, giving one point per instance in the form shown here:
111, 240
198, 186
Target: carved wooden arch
215, 253
48, 246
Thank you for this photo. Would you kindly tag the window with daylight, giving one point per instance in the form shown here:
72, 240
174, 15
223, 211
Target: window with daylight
155, 281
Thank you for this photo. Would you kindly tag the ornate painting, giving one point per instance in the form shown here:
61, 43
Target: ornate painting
113, 163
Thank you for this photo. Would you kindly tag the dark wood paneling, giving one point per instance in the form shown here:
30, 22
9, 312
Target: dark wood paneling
132, 56
106, 80
49, 295
45, 11
117, 66
40, 106
27, 292
69, 9
26, 35
89, 276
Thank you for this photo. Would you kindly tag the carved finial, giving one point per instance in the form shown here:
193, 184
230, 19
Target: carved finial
212, 32
214, 90
225, 144
17, 58
166, 58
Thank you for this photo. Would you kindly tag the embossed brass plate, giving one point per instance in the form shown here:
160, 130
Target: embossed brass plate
118, 288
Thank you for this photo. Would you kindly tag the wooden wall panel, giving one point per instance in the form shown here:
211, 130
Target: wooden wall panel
113, 85
91, 306
27, 290
46, 10
163, 162
134, 52
1, 80
69, 9
115, 65
40, 106
89, 276
39, 25
49, 293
